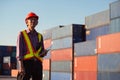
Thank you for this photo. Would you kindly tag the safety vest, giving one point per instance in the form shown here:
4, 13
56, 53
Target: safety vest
31, 52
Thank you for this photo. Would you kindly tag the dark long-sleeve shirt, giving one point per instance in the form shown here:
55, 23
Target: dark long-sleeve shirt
21, 46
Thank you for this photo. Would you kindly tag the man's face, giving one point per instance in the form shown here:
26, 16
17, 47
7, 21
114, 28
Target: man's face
32, 22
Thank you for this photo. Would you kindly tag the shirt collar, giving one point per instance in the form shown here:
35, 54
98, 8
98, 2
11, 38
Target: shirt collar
28, 31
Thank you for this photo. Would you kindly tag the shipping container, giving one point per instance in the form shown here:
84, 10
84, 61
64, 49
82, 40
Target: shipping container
13, 65
46, 75
93, 33
0, 68
47, 34
79, 33
47, 43
6, 72
13, 54
3, 49
98, 19
76, 31
46, 64
1, 59
6, 66
85, 48
61, 76
108, 43
62, 43
108, 76
64, 31
114, 9
13, 59
109, 62
7, 59
115, 17
85, 63
115, 25
62, 54
14, 72
61, 66
85, 75
7, 50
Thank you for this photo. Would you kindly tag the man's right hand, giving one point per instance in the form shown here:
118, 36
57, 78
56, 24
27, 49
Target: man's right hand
44, 53
21, 68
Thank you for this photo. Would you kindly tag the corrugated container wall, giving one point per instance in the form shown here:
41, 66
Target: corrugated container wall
57, 55
109, 66
93, 33
85, 63
109, 62
47, 44
62, 43
109, 43
115, 17
46, 69
63, 40
46, 75
85, 48
66, 66
61, 76
98, 19
46, 64
85, 68
76, 31
85, 75
7, 59
47, 34
115, 10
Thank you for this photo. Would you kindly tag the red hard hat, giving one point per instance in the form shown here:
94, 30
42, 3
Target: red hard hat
31, 14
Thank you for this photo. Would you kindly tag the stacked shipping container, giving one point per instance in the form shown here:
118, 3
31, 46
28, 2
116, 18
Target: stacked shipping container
108, 57
108, 47
47, 35
1, 60
85, 61
7, 59
89, 64
97, 58
115, 17
97, 25
63, 39
85, 55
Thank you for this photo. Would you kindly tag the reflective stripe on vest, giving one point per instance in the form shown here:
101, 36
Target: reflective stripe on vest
31, 51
